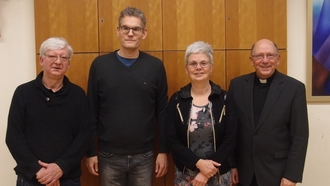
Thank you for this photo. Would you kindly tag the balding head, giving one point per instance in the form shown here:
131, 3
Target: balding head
264, 58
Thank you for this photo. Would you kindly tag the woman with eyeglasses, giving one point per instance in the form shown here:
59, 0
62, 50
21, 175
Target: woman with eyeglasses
200, 138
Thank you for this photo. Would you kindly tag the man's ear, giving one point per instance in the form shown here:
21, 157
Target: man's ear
144, 33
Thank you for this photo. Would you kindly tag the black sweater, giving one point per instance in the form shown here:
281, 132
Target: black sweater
47, 126
124, 101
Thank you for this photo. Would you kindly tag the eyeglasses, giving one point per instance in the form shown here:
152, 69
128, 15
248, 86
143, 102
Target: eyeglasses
262, 56
53, 58
135, 30
202, 64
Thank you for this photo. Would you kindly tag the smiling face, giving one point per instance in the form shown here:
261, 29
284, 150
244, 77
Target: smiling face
265, 58
198, 67
55, 63
130, 40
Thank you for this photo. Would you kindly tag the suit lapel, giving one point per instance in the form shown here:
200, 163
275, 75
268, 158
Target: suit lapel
248, 97
274, 92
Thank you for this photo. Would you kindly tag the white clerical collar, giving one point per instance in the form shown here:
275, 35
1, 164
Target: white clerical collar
263, 81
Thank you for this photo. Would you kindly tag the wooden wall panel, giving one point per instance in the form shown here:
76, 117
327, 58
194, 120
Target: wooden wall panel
108, 22
175, 70
250, 20
186, 21
238, 63
87, 179
170, 172
219, 69
158, 55
79, 69
74, 20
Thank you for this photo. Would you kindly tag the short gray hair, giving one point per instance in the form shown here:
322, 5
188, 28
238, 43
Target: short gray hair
55, 43
199, 47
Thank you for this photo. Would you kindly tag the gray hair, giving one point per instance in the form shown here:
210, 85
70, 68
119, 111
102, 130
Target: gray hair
199, 47
132, 11
55, 43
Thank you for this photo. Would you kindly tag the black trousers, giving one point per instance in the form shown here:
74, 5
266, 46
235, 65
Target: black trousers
253, 183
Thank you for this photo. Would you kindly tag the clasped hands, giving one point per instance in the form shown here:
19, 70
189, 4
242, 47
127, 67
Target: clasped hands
49, 174
207, 168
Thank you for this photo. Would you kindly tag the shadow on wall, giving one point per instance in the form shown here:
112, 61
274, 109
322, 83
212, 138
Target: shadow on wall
2, 22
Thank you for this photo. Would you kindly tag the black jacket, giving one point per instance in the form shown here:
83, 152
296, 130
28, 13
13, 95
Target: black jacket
275, 147
177, 117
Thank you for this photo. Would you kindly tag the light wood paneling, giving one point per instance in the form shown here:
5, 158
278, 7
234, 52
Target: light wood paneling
238, 63
187, 21
219, 69
250, 20
108, 22
158, 55
79, 68
175, 70
75, 20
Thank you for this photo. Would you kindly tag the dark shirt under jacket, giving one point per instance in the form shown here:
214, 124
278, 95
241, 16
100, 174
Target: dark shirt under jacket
260, 91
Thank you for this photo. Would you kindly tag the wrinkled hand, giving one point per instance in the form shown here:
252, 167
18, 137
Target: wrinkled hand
92, 165
286, 182
234, 176
200, 180
207, 167
49, 174
161, 165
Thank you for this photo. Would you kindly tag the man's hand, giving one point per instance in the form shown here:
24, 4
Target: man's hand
161, 165
286, 182
207, 167
200, 180
234, 176
92, 165
49, 174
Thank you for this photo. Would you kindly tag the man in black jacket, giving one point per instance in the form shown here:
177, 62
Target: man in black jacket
271, 111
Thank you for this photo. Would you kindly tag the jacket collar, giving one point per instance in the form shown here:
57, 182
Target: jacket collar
185, 91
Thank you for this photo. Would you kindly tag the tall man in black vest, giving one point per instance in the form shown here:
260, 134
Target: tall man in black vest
271, 112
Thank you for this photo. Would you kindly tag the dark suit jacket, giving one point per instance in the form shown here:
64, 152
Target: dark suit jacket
276, 147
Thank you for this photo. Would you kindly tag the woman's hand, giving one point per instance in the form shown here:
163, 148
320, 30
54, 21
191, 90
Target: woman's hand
200, 180
208, 167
